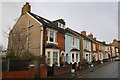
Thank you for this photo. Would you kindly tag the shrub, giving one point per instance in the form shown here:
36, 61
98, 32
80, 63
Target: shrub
26, 55
11, 55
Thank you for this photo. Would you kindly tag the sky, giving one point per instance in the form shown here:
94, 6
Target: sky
99, 18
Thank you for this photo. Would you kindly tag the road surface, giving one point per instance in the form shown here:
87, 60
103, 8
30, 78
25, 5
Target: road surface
107, 71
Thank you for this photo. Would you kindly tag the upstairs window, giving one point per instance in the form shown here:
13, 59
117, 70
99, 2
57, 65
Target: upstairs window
61, 25
52, 36
73, 42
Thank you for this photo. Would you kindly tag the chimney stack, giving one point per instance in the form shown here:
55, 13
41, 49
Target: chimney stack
94, 38
114, 40
90, 35
83, 32
26, 8
104, 42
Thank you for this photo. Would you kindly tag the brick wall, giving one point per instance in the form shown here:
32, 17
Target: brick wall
61, 70
61, 41
19, 74
43, 71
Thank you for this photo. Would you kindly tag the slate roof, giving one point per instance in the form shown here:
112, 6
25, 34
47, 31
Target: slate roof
60, 20
47, 23
88, 38
68, 30
85, 37
74, 49
52, 46
102, 43
86, 50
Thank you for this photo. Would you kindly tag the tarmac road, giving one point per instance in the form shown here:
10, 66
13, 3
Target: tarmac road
107, 71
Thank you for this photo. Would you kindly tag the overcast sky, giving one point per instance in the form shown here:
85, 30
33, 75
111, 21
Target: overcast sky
99, 18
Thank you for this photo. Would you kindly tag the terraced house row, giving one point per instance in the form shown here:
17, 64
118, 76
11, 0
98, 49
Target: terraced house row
55, 42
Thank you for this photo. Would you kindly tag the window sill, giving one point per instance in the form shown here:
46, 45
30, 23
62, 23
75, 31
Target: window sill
52, 42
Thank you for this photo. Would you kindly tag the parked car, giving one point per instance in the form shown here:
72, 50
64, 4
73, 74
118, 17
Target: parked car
117, 59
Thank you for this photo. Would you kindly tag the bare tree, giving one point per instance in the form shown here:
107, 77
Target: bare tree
17, 41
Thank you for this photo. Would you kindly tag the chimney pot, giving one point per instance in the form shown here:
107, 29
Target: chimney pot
26, 8
90, 35
114, 40
83, 32
94, 38
104, 42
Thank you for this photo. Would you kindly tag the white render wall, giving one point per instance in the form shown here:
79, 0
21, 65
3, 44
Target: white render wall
87, 45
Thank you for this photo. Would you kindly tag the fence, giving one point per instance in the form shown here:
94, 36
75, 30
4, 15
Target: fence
29, 74
14, 65
20, 69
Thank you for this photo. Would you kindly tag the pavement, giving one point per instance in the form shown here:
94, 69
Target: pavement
82, 72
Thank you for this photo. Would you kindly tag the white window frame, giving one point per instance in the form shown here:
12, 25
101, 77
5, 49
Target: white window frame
51, 56
75, 60
77, 57
55, 36
55, 56
61, 25
100, 56
96, 56
48, 57
89, 57
74, 41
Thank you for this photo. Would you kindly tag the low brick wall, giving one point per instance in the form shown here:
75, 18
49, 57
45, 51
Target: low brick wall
20, 74
43, 71
61, 70
84, 66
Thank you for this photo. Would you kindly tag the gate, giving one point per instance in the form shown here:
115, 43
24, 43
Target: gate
50, 71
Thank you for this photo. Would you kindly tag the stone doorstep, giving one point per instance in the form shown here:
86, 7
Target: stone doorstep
82, 72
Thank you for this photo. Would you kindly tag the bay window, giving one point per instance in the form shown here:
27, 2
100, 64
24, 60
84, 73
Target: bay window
55, 57
48, 57
72, 57
77, 57
52, 57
